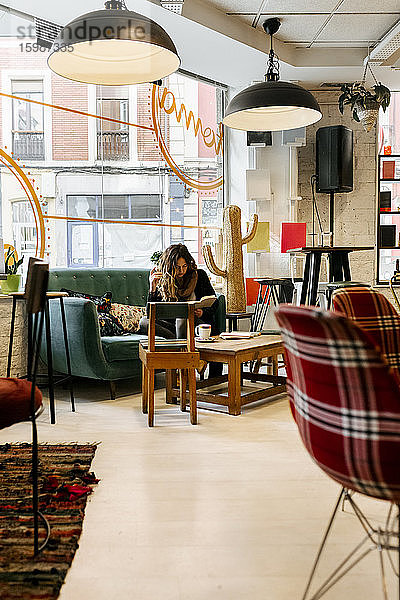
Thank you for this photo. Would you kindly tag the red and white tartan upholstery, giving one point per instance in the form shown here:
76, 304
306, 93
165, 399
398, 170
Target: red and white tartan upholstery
345, 400
373, 312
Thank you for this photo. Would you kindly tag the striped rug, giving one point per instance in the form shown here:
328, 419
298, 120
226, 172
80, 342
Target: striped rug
64, 485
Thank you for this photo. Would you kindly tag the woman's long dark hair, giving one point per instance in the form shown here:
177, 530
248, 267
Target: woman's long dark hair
169, 285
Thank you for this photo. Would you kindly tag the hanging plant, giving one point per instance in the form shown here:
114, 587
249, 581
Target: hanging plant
364, 102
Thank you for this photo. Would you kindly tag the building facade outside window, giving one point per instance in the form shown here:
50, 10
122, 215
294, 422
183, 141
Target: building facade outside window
127, 170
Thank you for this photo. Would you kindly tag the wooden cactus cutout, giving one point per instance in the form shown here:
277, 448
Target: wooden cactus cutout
232, 272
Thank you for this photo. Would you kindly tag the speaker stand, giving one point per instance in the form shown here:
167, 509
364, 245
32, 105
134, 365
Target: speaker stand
332, 214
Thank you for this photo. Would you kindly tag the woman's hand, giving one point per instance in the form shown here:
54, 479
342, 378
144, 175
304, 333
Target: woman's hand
198, 313
155, 277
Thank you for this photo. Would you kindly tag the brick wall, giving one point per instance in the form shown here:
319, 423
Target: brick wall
355, 212
70, 130
147, 145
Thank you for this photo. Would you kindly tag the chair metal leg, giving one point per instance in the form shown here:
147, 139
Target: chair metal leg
10, 346
322, 546
192, 396
67, 354
35, 459
50, 374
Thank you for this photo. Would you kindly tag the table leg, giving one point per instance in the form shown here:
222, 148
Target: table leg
168, 386
150, 396
234, 387
315, 269
346, 266
183, 385
306, 280
192, 396
49, 364
145, 382
254, 319
10, 346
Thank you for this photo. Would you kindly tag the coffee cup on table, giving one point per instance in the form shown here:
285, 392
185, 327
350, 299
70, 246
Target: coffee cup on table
203, 331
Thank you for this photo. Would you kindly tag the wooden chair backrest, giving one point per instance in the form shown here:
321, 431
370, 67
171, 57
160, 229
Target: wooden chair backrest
171, 310
36, 285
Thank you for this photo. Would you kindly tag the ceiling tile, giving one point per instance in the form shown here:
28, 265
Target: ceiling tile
362, 6
369, 28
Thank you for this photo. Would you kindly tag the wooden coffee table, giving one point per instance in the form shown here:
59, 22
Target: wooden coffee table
234, 353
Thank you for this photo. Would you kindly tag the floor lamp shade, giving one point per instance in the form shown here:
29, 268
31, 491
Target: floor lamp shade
113, 47
272, 106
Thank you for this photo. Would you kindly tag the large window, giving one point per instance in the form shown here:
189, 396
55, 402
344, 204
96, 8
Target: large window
125, 171
27, 120
112, 243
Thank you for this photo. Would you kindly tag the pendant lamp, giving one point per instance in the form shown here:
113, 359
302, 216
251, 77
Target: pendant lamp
113, 46
272, 105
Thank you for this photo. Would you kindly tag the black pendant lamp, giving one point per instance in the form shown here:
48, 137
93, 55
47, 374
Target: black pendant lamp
272, 105
114, 46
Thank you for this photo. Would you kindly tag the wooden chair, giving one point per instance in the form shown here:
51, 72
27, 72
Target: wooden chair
169, 355
20, 400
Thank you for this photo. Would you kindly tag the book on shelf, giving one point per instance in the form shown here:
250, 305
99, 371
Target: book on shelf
238, 335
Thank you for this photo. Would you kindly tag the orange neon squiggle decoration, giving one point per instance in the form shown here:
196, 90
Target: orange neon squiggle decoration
155, 113
32, 198
77, 112
119, 222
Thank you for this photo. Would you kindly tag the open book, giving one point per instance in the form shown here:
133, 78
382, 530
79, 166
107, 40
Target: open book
238, 335
204, 302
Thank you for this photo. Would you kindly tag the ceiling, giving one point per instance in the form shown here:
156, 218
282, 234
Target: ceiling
322, 23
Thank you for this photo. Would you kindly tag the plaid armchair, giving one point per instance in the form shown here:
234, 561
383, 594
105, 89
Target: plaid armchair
373, 312
345, 401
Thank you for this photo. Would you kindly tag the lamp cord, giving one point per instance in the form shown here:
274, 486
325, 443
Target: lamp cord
272, 73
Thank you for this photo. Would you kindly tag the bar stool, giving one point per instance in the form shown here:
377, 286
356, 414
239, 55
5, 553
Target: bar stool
276, 290
335, 285
233, 319
49, 296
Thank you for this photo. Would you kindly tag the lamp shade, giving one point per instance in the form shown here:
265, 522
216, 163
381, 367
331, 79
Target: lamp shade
113, 47
272, 106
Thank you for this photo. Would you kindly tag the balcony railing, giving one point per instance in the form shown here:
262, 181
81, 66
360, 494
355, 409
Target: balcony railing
115, 145
28, 145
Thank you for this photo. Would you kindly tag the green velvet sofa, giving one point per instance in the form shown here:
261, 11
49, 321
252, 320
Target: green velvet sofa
105, 358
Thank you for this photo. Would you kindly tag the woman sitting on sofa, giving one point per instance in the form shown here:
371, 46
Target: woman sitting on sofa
177, 279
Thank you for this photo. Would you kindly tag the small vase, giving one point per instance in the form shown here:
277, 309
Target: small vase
368, 113
11, 284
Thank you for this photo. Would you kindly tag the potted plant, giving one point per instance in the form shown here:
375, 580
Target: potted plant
12, 264
364, 103
155, 257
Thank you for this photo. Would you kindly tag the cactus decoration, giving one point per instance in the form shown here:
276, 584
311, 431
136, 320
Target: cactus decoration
232, 273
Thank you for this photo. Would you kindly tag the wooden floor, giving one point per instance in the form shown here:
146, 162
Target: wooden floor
231, 509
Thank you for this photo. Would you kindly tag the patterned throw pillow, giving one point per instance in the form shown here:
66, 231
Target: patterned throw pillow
103, 303
109, 325
128, 316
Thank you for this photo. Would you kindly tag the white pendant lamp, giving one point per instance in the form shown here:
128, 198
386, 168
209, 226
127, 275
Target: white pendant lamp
272, 105
114, 46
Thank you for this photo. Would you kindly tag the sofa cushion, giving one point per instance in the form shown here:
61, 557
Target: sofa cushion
128, 316
122, 347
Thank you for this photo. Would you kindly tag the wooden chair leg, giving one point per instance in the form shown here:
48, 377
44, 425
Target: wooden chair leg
168, 386
150, 396
113, 390
183, 385
144, 390
192, 396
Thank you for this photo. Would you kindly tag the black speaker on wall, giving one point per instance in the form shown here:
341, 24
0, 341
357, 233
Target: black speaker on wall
334, 158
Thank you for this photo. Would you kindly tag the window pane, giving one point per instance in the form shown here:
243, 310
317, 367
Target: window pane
82, 244
82, 206
116, 207
146, 207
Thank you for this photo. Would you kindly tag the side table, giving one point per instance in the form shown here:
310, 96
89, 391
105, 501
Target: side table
49, 296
